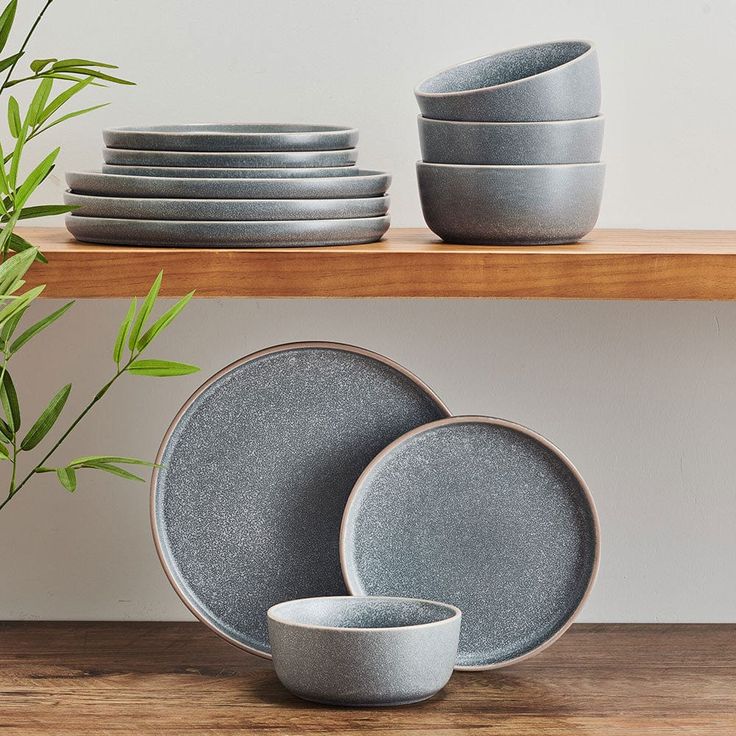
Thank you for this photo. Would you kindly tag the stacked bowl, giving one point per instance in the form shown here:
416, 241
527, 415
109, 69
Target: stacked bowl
229, 186
511, 146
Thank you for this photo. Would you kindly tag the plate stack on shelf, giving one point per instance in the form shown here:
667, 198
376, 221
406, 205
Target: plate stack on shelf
229, 186
511, 146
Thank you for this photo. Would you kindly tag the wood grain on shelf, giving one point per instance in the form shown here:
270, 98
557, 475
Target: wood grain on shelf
159, 678
609, 264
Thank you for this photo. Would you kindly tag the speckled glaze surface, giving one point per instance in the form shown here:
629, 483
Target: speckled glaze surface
511, 205
494, 144
360, 183
483, 514
559, 80
204, 172
259, 159
227, 234
364, 651
255, 471
146, 208
232, 137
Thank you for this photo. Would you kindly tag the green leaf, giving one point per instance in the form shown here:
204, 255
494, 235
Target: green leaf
7, 330
20, 303
15, 267
35, 178
8, 61
117, 352
96, 74
46, 210
42, 324
14, 122
74, 114
68, 478
64, 97
5, 431
45, 422
66, 63
18, 152
163, 322
116, 471
4, 454
161, 368
6, 22
90, 460
35, 109
145, 310
19, 244
39, 64
9, 399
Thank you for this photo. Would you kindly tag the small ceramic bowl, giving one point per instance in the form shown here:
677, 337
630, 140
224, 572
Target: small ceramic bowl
511, 144
559, 80
511, 205
364, 651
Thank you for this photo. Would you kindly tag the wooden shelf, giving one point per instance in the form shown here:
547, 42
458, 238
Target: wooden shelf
157, 678
609, 264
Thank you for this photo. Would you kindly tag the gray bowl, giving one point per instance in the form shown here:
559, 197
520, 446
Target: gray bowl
559, 80
502, 144
232, 137
202, 172
254, 160
511, 205
363, 651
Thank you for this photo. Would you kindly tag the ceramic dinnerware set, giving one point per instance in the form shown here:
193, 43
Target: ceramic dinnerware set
317, 502
511, 146
229, 186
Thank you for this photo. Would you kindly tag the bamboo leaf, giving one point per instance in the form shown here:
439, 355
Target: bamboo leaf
34, 329
90, 460
94, 73
14, 122
66, 63
38, 64
45, 422
145, 310
4, 454
19, 245
74, 114
17, 153
5, 431
35, 109
20, 303
9, 399
64, 97
35, 178
116, 471
15, 267
117, 352
46, 210
6, 22
7, 330
161, 368
68, 478
163, 322
8, 61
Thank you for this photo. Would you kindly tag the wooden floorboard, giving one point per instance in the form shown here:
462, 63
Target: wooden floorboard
164, 678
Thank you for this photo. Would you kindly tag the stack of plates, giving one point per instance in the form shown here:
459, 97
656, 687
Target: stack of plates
229, 186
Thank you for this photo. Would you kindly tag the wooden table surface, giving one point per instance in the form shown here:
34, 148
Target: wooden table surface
163, 678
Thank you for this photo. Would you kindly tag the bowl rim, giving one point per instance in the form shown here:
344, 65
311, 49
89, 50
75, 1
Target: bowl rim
589, 164
272, 613
596, 119
589, 51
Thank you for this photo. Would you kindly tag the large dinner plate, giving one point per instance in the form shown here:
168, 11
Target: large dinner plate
360, 183
149, 208
255, 471
258, 159
227, 234
484, 514
232, 137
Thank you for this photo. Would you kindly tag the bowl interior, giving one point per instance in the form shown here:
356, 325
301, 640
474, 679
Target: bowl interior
508, 66
361, 613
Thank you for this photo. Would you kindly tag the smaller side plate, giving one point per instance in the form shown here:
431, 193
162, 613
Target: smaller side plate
486, 515
205, 172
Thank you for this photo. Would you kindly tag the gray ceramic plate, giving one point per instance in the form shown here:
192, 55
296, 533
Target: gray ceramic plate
223, 234
257, 160
203, 172
360, 183
233, 137
147, 208
483, 514
255, 472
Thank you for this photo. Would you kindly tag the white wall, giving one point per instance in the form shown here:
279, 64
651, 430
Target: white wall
640, 395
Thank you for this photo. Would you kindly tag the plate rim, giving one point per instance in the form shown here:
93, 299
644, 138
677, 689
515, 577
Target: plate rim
495, 421
281, 347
